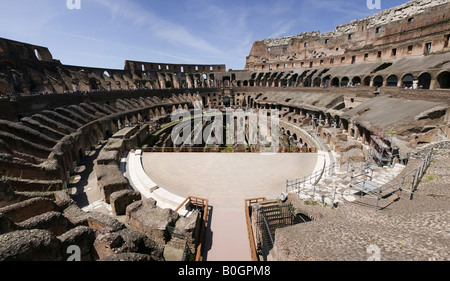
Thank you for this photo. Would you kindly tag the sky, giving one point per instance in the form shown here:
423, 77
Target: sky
105, 33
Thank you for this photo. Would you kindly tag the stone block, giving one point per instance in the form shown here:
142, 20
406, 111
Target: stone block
144, 216
121, 199
30, 245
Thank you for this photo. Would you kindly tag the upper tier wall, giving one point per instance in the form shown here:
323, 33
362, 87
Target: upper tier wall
402, 31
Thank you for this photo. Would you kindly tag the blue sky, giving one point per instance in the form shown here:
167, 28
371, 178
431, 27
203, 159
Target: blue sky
105, 33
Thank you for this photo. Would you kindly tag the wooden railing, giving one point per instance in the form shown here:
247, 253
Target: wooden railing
251, 238
200, 203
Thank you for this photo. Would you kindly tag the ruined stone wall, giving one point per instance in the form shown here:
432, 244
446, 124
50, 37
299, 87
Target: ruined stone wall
30, 69
406, 28
33, 160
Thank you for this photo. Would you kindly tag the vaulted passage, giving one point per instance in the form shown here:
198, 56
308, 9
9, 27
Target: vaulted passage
444, 80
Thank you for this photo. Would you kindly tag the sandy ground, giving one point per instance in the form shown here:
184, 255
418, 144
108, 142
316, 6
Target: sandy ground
226, 180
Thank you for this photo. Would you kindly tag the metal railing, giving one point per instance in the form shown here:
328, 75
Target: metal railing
362, 182
269, 218
294, 186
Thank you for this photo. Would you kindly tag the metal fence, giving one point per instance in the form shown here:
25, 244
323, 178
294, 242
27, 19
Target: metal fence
295, 186
269, 218
363, 184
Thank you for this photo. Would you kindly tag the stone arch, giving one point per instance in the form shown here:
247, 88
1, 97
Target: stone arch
317, 81
356, 80
407, 80
367, 80
335, 82
424, 80
344, 81
378, 81
226, 81
326, 80
392, 81
443, 80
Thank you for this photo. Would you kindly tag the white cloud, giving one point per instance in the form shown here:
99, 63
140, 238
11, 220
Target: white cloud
157, 26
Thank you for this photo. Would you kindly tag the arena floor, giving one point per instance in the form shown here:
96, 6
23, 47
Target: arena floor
226, 180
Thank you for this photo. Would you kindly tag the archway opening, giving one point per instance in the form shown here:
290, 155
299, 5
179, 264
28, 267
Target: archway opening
344, 82
407, 81
392, 81
378, 81
367, 81
335, 82
425, 81
356, 81
444, 80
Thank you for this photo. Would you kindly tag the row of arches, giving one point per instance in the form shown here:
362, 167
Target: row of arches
422, 81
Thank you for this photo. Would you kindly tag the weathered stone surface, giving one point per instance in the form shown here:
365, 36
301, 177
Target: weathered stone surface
30, 245
110, 180
7, 194
128, 257
6, 224
190, 228
82, 237
144, 216
127, 241
353, 155
121, 199
54, 222
75, 215
63, 199
27, 209
104, 223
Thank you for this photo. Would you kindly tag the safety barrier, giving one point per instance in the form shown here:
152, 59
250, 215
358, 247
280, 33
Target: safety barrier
202, 204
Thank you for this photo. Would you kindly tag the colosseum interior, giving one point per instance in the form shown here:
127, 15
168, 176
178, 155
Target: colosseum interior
88, 160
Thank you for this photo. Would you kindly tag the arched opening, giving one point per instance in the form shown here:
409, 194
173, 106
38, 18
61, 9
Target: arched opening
392, 81
367, 81
378, 81
93, 83
335, 82
226, 81
443, 80
344, 82
317, 82
293, 80
407, 81
424, 81
356, 81
326, 81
